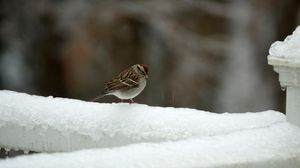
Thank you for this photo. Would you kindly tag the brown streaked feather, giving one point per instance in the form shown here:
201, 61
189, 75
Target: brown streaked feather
114, 84
125, 73
122, 81
129, 82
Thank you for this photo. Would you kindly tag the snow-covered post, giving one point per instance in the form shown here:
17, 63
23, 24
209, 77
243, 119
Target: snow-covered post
285, 57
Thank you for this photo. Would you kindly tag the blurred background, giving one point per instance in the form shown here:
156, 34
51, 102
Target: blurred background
204, 54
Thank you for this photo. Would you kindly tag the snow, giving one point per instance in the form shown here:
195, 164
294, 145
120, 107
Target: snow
275, 146
286, 52
90, 134
285, 58
57, 124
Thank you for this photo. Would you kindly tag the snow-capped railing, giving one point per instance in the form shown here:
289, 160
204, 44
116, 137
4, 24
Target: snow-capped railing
285, 57
159, 137
47, 124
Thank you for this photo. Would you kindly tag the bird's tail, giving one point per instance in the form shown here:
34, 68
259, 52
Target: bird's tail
98, 97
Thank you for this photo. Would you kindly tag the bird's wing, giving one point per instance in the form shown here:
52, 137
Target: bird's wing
129, 82
120, 84
127, 79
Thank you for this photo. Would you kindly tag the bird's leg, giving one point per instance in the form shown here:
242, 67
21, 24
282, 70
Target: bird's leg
131, 101
122, 100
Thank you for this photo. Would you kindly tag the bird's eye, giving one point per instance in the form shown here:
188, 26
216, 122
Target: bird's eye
140, 70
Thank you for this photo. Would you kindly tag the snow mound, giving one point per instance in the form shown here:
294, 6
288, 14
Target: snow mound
286, 52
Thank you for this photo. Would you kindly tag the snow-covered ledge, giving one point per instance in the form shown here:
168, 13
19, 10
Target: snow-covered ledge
285, 57
47, 124
136, 135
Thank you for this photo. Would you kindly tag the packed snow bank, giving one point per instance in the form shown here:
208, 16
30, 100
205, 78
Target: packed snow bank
57, 124
286, 52
276, 146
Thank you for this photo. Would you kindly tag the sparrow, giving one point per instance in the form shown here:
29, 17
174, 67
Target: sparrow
128, 84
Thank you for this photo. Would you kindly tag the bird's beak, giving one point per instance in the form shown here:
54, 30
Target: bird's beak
146, 76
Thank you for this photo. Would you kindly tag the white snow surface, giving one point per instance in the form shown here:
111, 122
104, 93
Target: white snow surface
276, 146
286, 52
136, 135
59, 124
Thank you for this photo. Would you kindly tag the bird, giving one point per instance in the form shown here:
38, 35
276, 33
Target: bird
128, 84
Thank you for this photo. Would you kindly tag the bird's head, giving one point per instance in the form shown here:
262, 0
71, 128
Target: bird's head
142, 69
